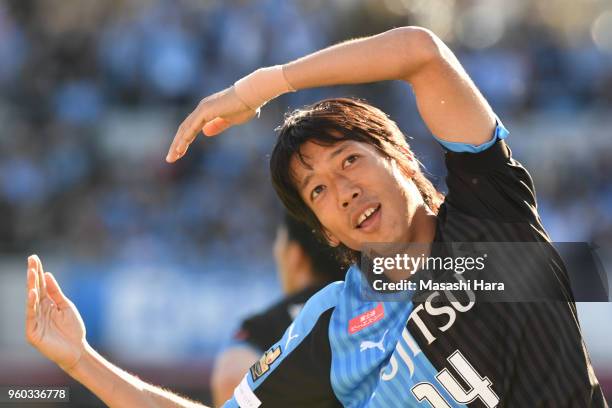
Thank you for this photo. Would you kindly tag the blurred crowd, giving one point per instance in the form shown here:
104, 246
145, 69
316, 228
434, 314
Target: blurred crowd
91, 93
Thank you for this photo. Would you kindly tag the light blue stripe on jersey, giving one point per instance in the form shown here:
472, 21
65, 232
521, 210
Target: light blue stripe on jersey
359, 360
500, 133
320, 302
351, 368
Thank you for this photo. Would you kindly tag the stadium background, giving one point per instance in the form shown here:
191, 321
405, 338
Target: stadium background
163, 260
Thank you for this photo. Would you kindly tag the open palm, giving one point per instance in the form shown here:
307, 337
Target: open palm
53, 324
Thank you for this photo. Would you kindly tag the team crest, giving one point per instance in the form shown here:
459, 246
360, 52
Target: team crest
263, 365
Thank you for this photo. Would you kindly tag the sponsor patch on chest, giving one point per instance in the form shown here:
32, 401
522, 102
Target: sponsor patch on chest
366, 319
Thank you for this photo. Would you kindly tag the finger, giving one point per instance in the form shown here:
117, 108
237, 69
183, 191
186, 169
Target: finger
33, 274
187, 132
31, 308
215, 126
31, 313
55, 292
181, 142
41, 278
31, 286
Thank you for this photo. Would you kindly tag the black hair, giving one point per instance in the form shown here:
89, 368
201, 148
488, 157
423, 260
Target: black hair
328, 122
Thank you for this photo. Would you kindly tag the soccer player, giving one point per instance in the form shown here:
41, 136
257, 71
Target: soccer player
305, 265
343, 167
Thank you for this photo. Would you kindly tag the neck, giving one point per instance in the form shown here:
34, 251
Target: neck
422, 234
423, 228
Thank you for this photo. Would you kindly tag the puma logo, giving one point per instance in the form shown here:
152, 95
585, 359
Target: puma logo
365, 345
290, 336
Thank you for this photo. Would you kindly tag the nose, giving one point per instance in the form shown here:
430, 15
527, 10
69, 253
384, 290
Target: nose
347, 192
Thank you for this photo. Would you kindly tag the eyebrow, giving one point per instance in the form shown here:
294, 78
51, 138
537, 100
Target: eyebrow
331, 156
305, 181
337, 151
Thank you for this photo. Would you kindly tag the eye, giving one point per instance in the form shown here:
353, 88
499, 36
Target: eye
349, 160
316, 191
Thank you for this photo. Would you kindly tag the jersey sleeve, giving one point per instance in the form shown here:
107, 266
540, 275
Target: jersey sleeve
485, 181
295, 371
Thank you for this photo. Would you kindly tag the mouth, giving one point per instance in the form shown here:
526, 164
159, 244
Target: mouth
368, 217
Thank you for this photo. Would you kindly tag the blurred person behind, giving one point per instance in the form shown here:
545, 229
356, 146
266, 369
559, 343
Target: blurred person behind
304, 265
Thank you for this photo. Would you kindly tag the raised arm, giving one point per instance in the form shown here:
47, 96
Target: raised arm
55, 328
450, 104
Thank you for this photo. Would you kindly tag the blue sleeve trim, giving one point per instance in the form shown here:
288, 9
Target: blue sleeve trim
500, 133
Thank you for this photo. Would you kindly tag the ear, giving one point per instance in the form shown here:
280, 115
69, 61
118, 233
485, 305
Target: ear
331, 238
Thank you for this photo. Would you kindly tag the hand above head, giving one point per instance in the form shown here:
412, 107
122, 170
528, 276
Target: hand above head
53, 324
213, 115
232, 106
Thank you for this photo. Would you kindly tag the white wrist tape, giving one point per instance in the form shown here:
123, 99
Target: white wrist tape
262, 85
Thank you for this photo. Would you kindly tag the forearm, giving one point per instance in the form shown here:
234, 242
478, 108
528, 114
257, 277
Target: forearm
118, 388
395, 54
450, 104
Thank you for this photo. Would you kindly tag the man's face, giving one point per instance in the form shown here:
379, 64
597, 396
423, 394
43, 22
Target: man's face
358, 195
